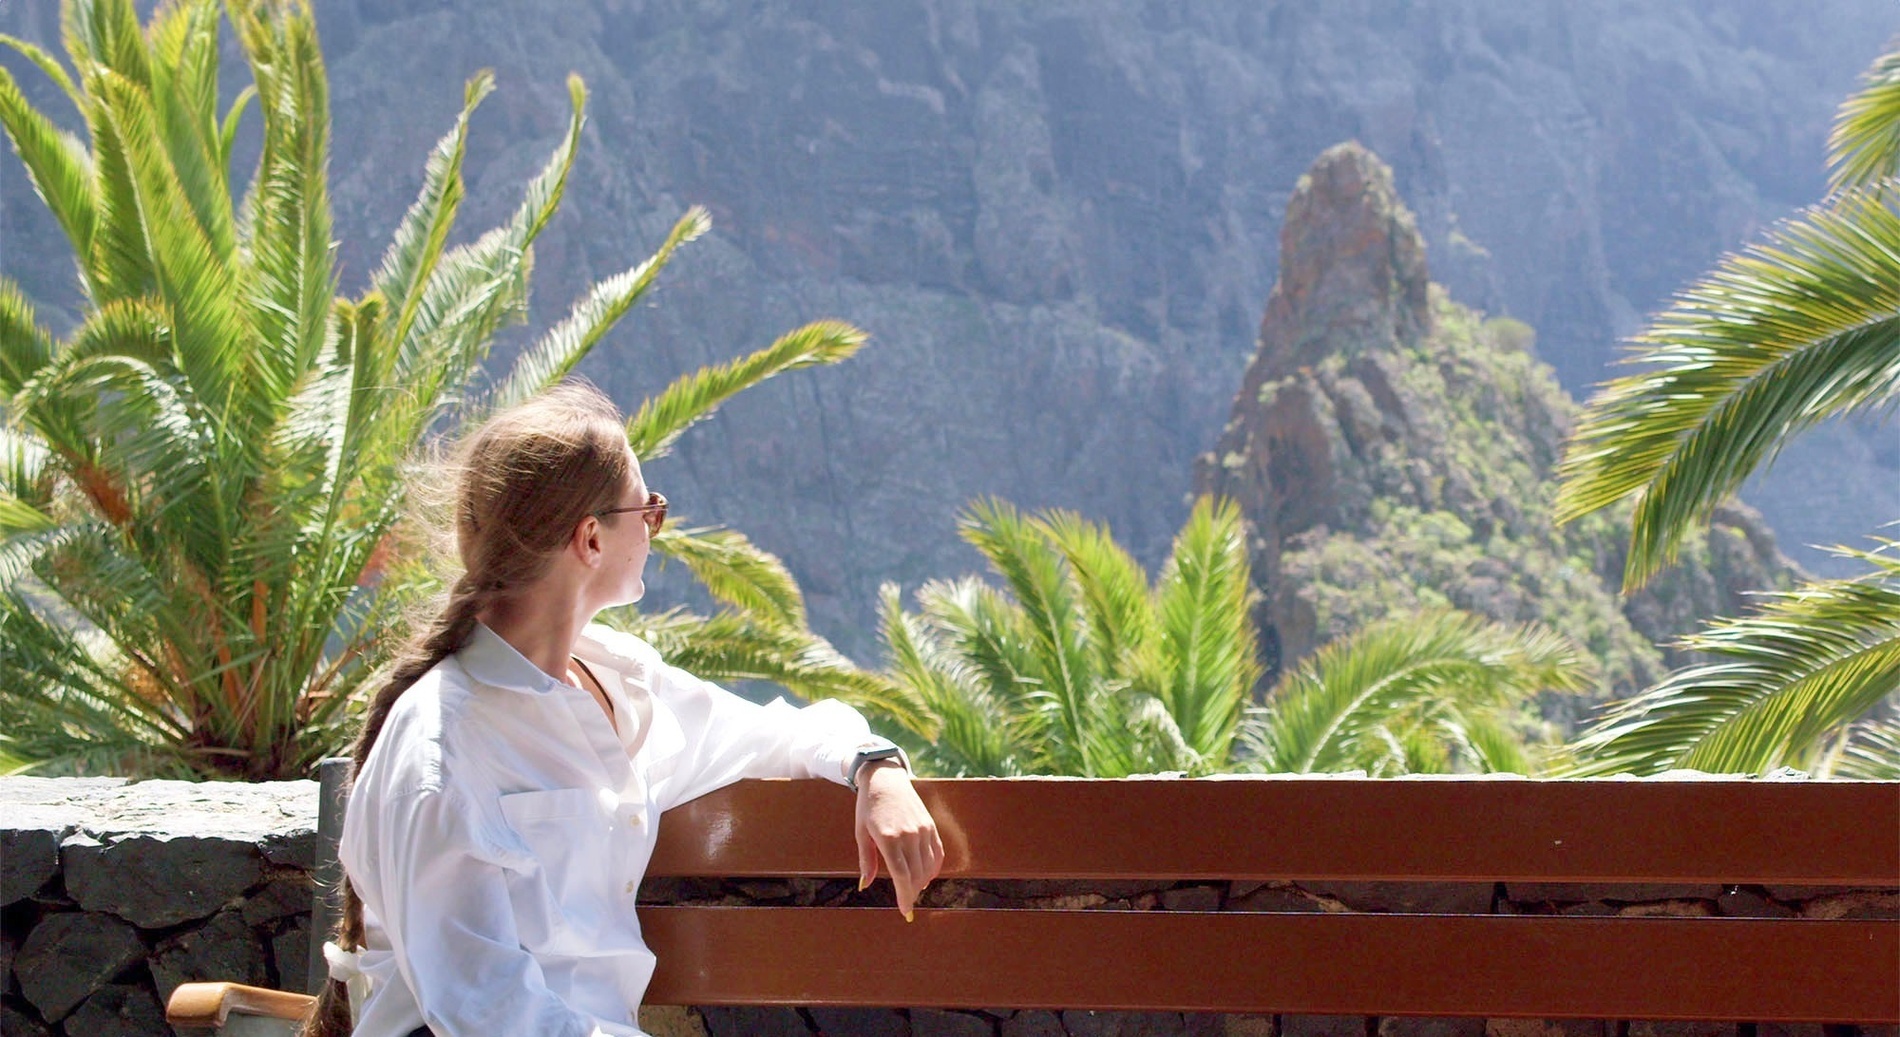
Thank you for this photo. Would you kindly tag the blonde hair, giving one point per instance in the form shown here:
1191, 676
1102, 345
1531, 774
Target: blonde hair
523, 480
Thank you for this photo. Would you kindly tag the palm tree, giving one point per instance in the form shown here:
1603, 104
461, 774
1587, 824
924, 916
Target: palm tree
1081, 667
1428, 693
1797, 329
203, 552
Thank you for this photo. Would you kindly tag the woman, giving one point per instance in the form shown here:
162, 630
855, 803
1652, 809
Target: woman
512, 770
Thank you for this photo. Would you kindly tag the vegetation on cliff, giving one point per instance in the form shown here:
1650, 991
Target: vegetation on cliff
1393, 452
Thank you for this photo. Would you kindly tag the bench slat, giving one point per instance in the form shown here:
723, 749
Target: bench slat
1499, 966
1417, 830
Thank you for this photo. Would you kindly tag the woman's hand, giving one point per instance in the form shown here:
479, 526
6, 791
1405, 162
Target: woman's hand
893, 823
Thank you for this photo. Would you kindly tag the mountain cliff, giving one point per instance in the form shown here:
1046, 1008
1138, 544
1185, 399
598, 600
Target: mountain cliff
1058, 219
1392, 449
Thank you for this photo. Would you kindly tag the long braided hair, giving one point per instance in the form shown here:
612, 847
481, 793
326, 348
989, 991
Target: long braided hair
523, 480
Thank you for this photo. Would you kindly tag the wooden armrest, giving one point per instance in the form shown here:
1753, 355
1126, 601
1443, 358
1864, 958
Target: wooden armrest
206, 1005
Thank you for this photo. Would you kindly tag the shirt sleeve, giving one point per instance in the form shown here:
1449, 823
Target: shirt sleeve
450, 922
729, 738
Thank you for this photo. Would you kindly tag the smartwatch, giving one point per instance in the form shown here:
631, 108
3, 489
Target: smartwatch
874, 749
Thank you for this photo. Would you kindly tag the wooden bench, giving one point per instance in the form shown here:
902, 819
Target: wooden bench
1231, 838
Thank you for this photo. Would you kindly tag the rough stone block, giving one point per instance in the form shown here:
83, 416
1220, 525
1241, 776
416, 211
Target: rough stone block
290, 955
1248, 1026
154, 881
120, 1010
1409, 1026
1616, 892
15, 1023
1546, 1028
1192, 898
930, 1022
1036, 1023
294, 849
1126, 1024
861, 1022
68, 956
1790, 1030
1741, 902
1853, 906
285, 895
1681, 1029
755, 1022
1450, 898
1281, 898
7, 951
29, 858
1322, 1026
671, 1021
221, 949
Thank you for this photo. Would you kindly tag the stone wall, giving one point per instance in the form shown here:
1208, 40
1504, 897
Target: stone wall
113, 893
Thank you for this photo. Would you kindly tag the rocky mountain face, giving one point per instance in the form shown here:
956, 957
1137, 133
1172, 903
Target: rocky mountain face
1393, 450
1057, 218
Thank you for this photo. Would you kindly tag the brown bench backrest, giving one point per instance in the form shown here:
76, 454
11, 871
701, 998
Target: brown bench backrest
1841, 834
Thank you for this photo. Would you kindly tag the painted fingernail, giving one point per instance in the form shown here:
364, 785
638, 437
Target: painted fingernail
910, 916
863, 883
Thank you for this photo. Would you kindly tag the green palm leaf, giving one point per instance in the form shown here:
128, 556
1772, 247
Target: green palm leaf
733, 647
1202, 602
1353, 704
1864, 148
1811, 662
1871, 752
1793, 331
736, 572
658, 423
1035, 572
419, 238
554, 357
55, 161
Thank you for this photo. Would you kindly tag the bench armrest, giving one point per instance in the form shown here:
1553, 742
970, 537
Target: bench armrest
205, 1006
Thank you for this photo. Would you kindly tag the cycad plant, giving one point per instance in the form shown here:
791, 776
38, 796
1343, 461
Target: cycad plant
202, 552
1422, 694
1080, 667
1799, 328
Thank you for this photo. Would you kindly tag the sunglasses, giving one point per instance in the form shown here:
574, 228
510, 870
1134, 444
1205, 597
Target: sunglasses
653, 512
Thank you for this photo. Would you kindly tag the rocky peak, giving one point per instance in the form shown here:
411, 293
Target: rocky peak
1392, 451
1352, 266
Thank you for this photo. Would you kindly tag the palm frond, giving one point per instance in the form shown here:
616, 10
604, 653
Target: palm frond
1797, 329
1338, 711
56, 162
1206, 635
660, 420
1038, 577
736, 572
556, 354
48, 64
1871, 752
731, 647
1114, 590
25, 347
1864, 148
424, 229
1809, 663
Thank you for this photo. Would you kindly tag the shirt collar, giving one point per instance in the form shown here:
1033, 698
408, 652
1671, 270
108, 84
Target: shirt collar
490, 659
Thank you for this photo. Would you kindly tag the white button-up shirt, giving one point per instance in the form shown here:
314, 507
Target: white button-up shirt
499, 829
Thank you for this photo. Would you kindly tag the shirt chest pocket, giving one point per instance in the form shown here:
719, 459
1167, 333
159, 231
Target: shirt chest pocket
568, 832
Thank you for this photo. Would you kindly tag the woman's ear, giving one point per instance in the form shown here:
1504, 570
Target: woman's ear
585, 542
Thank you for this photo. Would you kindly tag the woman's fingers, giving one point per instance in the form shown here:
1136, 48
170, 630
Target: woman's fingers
867, 857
